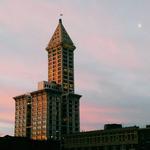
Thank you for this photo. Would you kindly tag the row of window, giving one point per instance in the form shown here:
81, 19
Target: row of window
57, 59
103, 139
20, 126
54, 56
20, 118
39, 127
39, 103
58, 56
21, 102
21, 130
43, 133
41, 137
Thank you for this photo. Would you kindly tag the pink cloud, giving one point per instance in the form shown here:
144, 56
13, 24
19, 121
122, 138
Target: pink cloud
6, 101
7, 111
92, 115
86, 80
7, 117
113, 52
19, 15
14, 70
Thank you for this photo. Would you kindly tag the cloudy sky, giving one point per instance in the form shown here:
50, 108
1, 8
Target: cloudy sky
112, 59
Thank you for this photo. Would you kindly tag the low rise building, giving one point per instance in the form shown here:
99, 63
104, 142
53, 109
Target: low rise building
113, 137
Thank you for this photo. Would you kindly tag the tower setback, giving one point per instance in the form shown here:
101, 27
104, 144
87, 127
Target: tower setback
52, 111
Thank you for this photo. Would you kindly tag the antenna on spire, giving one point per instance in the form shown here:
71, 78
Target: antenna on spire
60, 18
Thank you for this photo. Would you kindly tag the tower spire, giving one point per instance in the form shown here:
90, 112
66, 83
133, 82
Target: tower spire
60, 38
60, 19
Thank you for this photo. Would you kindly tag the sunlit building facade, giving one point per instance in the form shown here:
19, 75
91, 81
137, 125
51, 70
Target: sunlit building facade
61, 59
51, 111
23, 115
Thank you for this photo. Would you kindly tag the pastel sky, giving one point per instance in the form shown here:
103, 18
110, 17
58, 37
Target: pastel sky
112, 59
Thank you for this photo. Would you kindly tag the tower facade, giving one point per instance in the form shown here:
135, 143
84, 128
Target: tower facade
52, 111
61, 59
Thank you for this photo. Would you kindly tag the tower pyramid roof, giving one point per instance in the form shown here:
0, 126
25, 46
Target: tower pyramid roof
60, 37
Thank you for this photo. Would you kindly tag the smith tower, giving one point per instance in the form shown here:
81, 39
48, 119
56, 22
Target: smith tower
53, 110
61, 71
61, 59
